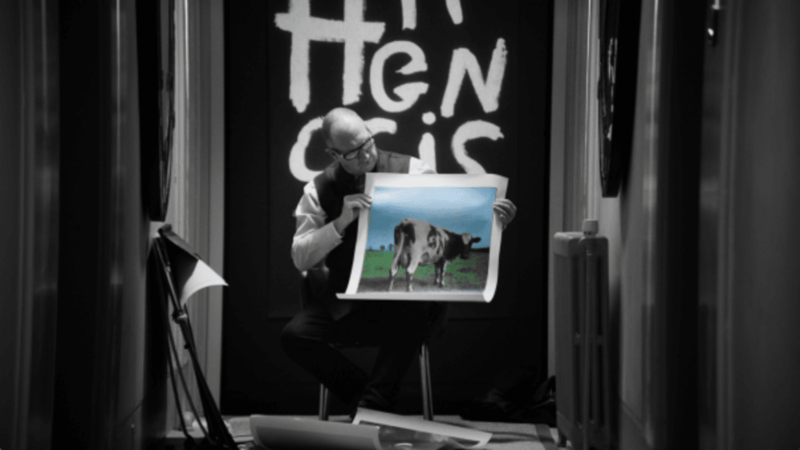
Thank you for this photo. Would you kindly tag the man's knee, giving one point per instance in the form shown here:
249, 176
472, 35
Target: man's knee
292, 336
301, 332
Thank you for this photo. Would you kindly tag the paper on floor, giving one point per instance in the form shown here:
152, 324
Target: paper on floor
428, 430
370, 430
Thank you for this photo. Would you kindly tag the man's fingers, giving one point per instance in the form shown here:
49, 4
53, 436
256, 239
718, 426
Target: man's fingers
505, 206
358, 203
505, 209
358, 196
502, 209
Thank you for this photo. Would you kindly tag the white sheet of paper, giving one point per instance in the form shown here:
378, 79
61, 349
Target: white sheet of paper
293, 433
458, 203
468, 438
202, 277
367, 432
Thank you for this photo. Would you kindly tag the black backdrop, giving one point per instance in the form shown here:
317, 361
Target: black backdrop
266, 112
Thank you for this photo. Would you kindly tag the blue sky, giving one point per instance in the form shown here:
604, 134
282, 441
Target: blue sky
458, 209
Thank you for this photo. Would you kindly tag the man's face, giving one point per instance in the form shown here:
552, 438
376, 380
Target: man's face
355, 151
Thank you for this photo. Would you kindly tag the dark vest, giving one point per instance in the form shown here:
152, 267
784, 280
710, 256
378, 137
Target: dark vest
333, 184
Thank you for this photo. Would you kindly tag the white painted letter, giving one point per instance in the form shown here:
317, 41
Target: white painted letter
410, 13
464, 62
353, 31
297, 158
409, 92
379, 125
427, 150
454, 8
473, 129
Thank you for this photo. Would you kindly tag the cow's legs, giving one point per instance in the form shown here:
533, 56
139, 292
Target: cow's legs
437, 274
412, 267
393, 272
442, 268
399, 260
398, 255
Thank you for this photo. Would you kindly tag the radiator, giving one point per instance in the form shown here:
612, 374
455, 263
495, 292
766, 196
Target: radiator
581, 320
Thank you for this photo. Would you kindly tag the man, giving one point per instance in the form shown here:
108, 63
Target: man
326, 232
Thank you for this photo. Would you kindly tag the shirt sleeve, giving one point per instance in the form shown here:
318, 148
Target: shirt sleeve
313, 238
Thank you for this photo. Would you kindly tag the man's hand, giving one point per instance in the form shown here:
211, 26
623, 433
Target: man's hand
350, 208
505, 210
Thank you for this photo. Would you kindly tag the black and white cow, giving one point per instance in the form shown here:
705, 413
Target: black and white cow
418, 243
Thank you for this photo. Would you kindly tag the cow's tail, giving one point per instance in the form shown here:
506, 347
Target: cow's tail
398, 237
399, 241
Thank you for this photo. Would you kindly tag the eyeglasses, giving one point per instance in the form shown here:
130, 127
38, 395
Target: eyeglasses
352, 154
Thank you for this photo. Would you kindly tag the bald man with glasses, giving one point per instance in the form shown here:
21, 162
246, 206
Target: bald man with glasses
327, 227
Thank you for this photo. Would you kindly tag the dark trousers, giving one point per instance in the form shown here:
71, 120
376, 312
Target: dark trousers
397, 328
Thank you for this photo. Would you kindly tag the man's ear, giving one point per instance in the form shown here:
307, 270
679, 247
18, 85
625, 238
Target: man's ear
331, 153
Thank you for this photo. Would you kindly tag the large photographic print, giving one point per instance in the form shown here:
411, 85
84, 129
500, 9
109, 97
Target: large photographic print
433, 238
428, 237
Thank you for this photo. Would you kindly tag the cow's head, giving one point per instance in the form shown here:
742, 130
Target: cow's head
468, 241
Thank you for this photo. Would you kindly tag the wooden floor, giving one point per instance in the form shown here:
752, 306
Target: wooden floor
505, 436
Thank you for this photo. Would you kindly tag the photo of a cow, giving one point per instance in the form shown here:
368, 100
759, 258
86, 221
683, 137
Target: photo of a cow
437, 238
418, 243
439, 232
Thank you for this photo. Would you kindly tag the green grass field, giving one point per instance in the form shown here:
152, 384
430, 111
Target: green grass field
461, 275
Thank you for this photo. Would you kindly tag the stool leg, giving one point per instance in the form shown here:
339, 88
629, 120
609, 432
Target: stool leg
425, 376
323, 402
